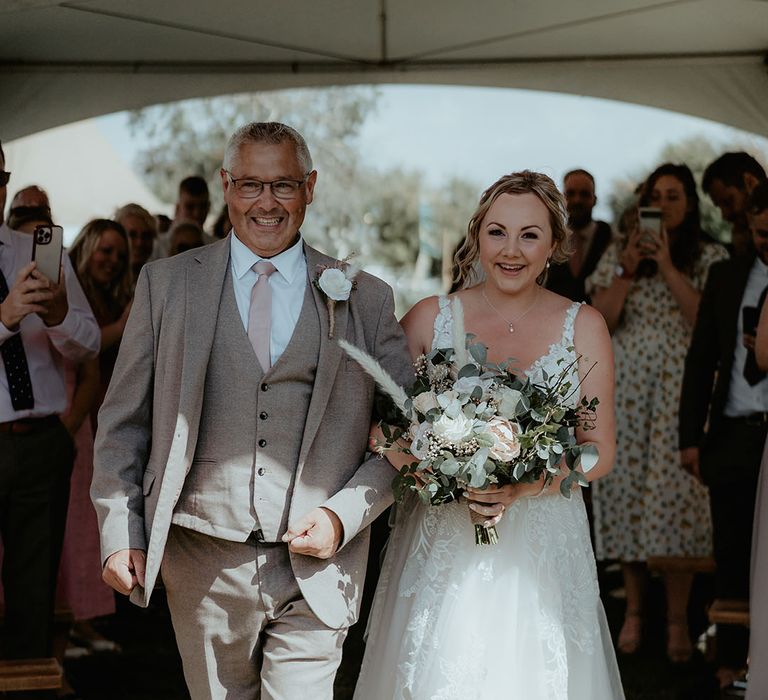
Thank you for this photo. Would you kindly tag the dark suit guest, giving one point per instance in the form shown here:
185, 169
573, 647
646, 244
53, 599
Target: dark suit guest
590, 238
722, 382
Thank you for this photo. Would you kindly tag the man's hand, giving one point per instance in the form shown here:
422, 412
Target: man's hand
56, 309
689, 461
124, 569
317, 534
30, 294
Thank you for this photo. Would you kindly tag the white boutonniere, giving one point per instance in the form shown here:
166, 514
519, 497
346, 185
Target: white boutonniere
336, 282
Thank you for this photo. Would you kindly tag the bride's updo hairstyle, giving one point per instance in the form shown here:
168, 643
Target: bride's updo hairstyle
466, 272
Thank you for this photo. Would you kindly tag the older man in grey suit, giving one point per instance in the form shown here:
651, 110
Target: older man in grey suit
230, 456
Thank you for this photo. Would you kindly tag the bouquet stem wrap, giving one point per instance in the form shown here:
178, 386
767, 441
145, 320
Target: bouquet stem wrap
483, 534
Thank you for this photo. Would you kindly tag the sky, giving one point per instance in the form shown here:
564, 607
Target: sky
482, 133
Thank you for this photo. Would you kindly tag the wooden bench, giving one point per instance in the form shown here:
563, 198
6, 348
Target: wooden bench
727, 611
30, 674
38, 674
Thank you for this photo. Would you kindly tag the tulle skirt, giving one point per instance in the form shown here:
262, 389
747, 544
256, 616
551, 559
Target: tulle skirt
521, 619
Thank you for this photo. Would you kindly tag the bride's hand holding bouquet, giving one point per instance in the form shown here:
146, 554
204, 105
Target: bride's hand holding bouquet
471, 426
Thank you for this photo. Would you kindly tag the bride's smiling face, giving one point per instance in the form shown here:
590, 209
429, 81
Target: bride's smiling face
515, 241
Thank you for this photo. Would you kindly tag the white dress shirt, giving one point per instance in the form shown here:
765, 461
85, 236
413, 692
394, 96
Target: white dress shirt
76, 338
288, 284
744, 399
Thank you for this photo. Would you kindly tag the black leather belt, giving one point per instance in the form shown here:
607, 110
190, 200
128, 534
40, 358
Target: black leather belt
756, 420
24, 426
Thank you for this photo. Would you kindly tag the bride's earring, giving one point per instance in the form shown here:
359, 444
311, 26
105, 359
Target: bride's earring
547, 263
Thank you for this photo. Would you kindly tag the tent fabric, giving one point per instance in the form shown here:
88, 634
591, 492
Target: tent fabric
65, 61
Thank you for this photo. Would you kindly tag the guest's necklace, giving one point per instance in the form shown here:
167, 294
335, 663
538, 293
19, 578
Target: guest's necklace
510, 324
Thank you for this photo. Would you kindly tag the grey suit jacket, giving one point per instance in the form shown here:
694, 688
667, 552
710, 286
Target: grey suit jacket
148, 424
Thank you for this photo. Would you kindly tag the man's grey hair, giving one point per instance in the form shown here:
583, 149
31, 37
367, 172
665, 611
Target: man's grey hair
268, 132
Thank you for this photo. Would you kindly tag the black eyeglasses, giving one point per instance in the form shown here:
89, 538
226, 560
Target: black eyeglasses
4, 177
250, 187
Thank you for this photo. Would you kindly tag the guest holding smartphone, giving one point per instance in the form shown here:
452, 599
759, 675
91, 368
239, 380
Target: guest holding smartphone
41, 323
648, 290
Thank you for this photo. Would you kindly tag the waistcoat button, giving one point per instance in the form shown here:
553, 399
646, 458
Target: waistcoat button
263, 415
264, 386
260, 471
262, 442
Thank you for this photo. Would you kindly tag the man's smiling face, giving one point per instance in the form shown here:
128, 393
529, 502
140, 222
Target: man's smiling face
267, 224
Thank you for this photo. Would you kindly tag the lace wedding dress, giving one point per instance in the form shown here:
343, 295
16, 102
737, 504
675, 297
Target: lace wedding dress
519, 620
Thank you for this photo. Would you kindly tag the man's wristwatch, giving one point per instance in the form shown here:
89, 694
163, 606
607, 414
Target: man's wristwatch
623, 274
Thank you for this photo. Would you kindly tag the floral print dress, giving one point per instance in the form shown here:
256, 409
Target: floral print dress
648, 506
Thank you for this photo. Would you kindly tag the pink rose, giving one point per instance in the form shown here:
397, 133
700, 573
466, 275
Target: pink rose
506, 446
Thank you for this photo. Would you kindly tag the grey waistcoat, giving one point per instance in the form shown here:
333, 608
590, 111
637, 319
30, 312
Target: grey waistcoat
251, 429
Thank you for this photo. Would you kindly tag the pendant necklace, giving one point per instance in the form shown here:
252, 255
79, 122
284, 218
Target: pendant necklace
510, 324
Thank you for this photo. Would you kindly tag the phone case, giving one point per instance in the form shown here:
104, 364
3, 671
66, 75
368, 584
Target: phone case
48, 242
650, 218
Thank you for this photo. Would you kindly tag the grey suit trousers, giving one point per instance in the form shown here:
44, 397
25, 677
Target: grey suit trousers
243, 628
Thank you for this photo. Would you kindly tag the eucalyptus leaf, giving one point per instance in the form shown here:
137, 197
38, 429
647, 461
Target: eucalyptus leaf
485, 439
479, 353
450, 466
588, 458
469, 371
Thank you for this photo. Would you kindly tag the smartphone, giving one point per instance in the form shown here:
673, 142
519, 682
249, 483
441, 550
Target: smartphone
649, 220
47, 246
749, 319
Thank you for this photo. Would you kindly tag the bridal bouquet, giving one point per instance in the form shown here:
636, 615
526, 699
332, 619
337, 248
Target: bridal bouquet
468, 422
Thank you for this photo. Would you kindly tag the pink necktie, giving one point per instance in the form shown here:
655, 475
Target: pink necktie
260, 314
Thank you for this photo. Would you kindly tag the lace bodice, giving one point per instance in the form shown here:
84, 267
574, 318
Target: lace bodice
559, 355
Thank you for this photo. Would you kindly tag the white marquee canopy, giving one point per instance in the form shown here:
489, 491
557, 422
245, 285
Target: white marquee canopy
65, 61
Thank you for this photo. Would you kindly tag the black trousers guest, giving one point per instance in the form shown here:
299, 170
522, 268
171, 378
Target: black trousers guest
730, 467
35, 468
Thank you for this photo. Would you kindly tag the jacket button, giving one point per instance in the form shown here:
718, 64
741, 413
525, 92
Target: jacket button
263, 415
262, 442
260, 471
264, 386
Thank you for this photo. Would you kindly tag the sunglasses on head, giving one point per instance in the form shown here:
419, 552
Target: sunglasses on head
4, 177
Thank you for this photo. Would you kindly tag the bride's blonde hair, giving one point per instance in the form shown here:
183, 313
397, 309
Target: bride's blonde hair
466, 272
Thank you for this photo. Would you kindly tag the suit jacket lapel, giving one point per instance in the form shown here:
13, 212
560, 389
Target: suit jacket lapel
330, 351
205, 278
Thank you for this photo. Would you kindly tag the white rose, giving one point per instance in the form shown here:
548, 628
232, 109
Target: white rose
454, 430
425, 401
420, 441
506, 446
508, 401
466, 385
335, 284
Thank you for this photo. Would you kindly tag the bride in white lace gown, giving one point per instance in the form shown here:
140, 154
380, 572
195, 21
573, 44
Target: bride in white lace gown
522, 619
